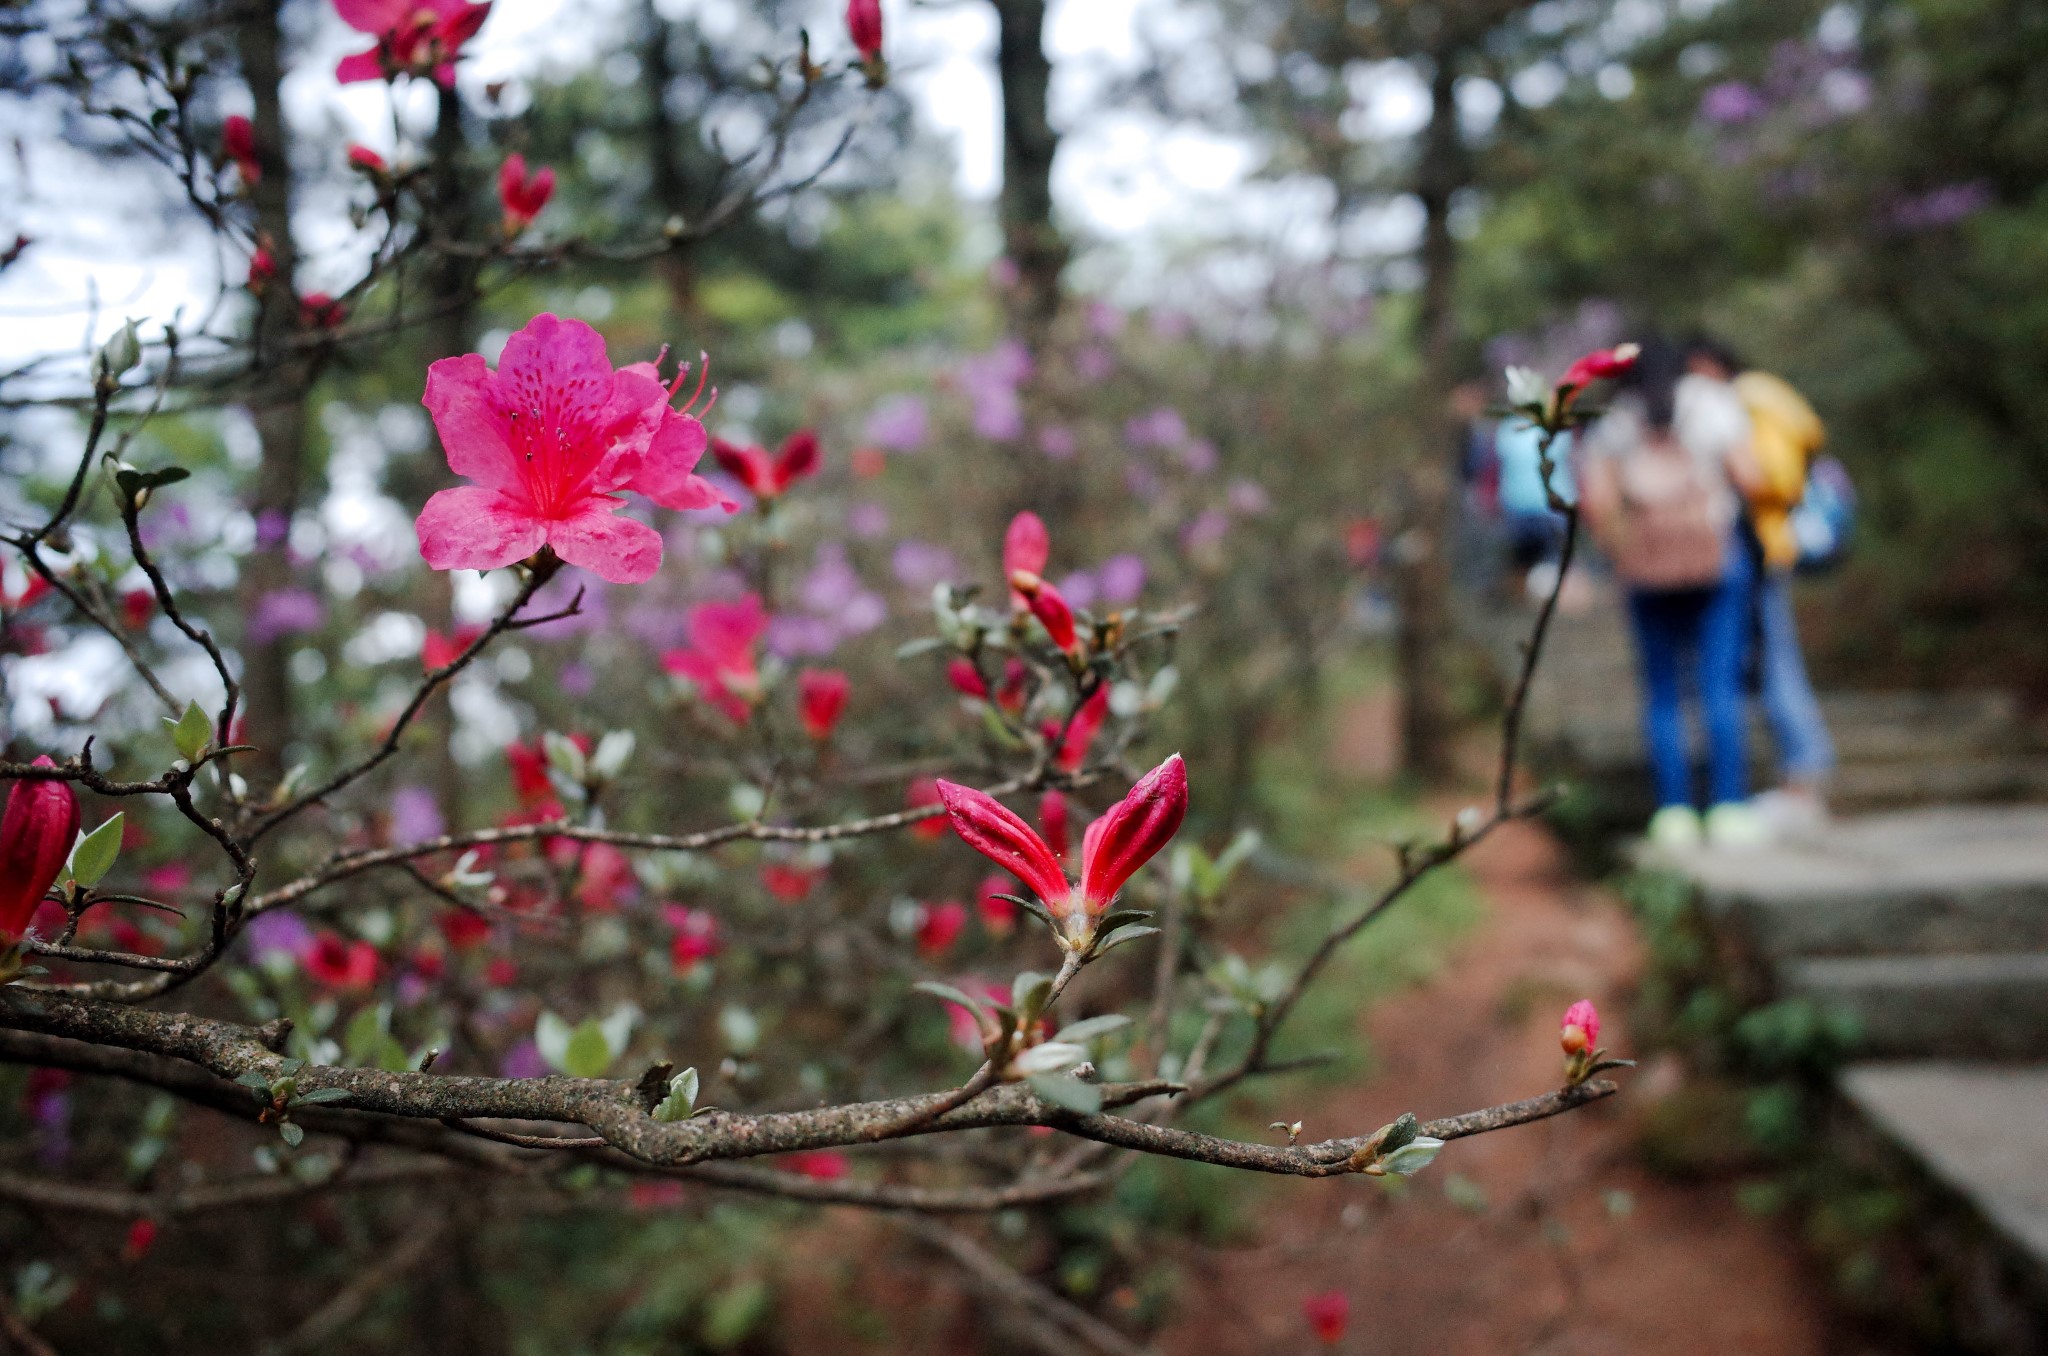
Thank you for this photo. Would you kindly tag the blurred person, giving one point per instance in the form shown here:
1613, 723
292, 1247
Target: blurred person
1661, 475
1479, 516
1534, 530
1786, 435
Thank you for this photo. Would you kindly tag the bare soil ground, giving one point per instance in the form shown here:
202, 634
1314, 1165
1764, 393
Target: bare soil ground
1548, 1238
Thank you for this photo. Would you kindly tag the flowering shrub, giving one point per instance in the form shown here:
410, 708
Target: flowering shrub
594, 838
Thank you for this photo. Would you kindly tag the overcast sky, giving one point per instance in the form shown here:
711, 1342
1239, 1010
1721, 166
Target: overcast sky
1120, 176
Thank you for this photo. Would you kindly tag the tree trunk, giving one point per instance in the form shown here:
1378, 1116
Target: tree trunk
1424, 580
1030, 239
277, 403
670, 188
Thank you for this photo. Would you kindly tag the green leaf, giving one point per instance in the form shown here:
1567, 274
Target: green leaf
135, 485
291, 1133
1083, 1031
191, 732
1116, 918
911, 649
1398, 1133
734, 1314
951, 995
1028, 994
1067, 1092
588, 1053
321, 1096
256, 1081
96, 853
1122, 935
681, 1101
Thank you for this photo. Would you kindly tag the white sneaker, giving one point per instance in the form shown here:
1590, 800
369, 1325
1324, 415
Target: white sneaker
1735, 826
1675, 828
1791, 813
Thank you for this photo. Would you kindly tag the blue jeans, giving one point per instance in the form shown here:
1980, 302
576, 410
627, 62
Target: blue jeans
1805, 752
1705, 631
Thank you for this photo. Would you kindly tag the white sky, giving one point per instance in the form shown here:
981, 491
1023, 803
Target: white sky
1123, 177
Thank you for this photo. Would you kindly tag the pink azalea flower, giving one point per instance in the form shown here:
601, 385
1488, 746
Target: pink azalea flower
1579, 1033
1026, 547
720, 659
821, 700
767, 477
923, 792
965, 678
826, 1165
523, 194
238, 143
998, 915
1112, 850
341, 964
550, 438
442, 648
414, 37
696, 939
939, 928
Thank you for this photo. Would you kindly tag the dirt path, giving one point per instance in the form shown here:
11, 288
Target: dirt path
1549, 1238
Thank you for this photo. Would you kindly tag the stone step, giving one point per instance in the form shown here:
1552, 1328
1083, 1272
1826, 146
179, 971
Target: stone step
1972, 779
1979, 1134
1973, 1006
1932, 880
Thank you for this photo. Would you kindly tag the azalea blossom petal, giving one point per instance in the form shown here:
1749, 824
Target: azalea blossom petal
353, 70
617, 550
1027, 545
667, 471
373, 16
1132, 832
472, 527
993, 830
727, 631
462, 397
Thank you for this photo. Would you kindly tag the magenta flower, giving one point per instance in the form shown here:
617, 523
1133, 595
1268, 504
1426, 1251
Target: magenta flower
720, 659
864, 25
1112, 850
1579, 1032
767, 477
414, 37
549, 439
36, 834
523, 192
1026, 546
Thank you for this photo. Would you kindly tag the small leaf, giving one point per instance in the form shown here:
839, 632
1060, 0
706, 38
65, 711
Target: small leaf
256, 1081
191, 732
321, 1096
911, 649
1028, 994
1068, 1093
681, 1102
951, 995
96, 853
551, 1037
1399, 1132
291, 1133
564, 757
1116, 918
1091, 1028
1121, 936
1413, 1156
588, 1053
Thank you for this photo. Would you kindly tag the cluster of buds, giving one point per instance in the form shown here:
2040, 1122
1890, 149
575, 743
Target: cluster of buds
1130, 834
1553, 408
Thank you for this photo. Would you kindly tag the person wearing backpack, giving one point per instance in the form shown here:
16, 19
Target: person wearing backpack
1659, 477
1786, 437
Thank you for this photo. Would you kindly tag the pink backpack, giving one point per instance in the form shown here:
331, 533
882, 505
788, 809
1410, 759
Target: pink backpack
1671, 532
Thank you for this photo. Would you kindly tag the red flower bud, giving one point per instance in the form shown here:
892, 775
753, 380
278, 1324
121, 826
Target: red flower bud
1579, 1033
864, 25
998, 915
798, 459
1052, 822
36, 834
1133, 831
821, 700
1328, 1315
365, 160
1026, 545
1048, 606
521, 194
926, 791
238, 143
1599, 365
262, 268
141, 1238
318, 311
965, 678
939, 928
993, 830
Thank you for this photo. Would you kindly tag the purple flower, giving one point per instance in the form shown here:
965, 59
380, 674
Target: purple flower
278, 934
1171, 325
919, 564
1163, 427
867, 519
1248, 498
1079, 589
1104, 320
523, 1061
575, 678
1122, 579
1058, 442
1205, 532
1199, 457
831, 583
1944, 206
899, 423
794, 636
1732, 102
285, 612
1094, 363
1141, 481
415, 815
272, 527
989, 381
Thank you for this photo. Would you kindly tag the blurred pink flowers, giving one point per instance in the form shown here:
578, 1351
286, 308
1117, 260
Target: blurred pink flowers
720, 659
1328, 1314
522, 193
821, 700
767, 477
550, 438
414, 37
238, 143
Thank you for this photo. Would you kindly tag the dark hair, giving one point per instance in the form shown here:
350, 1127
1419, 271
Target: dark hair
1716, 351
1654, 379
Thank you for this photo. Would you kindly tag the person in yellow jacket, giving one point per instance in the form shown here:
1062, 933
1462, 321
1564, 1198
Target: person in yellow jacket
1786, 434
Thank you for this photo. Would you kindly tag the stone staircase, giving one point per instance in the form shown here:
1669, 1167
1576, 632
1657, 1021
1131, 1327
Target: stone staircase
1921, 912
